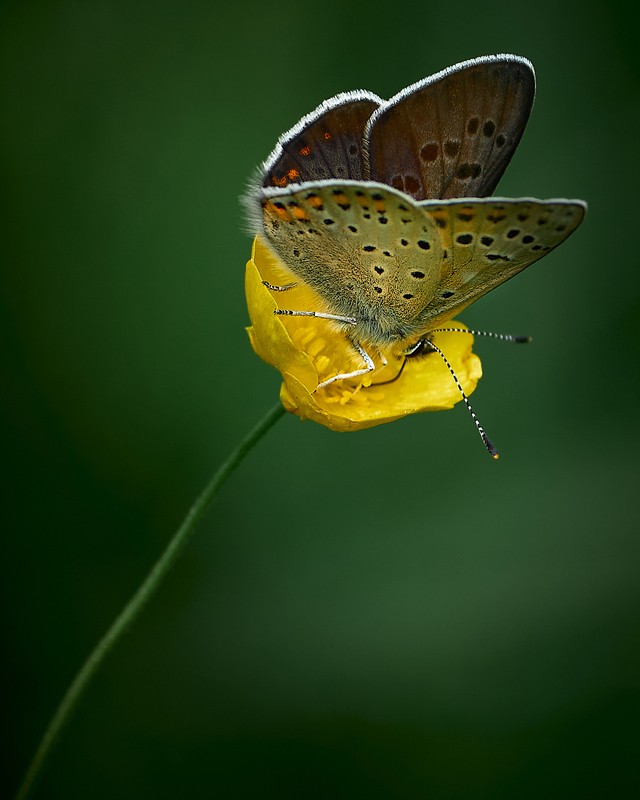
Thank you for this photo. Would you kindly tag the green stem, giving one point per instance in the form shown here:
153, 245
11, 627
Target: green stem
144, 593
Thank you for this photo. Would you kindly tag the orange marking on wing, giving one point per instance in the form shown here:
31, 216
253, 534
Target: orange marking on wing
379, 205
300, 213
292, 174
328, 135
305, 151
315, 201
276, 209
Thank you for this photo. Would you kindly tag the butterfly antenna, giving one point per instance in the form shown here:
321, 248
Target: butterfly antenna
502, 337
493, 452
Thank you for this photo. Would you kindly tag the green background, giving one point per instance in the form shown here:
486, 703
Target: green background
385, 614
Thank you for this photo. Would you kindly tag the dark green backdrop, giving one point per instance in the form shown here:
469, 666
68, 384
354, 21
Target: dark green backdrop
387, 614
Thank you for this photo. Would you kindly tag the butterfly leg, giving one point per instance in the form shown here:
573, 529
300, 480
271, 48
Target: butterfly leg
370, 366
289, 313
285, 312
282, 288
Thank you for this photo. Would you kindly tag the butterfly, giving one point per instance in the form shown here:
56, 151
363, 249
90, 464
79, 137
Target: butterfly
384, 207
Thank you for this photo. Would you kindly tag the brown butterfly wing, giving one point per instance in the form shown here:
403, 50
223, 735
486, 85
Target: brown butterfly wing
325, 144
453, 134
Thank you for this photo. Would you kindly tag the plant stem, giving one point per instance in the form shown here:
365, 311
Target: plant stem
131, 611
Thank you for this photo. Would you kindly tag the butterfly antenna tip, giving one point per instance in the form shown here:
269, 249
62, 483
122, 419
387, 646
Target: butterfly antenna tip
493, 452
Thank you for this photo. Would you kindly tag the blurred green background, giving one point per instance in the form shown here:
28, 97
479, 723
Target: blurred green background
386, 614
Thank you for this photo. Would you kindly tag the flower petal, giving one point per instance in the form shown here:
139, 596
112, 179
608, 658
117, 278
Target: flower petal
269, 337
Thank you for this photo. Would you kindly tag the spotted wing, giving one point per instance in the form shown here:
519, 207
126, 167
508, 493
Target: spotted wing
487, 241
325, 144
370, 251
453, 134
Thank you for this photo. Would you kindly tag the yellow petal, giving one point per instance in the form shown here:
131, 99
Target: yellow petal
269, 337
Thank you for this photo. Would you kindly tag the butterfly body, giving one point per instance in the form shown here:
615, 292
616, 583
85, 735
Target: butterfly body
382, 207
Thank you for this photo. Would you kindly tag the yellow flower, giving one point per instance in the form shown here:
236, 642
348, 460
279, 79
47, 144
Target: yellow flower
308, 350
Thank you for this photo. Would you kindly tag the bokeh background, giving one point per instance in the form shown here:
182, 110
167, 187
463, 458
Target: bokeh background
386, 614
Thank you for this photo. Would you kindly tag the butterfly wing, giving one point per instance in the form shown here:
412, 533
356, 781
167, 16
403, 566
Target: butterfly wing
487, 241
326, 143
369, 251
452, 134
